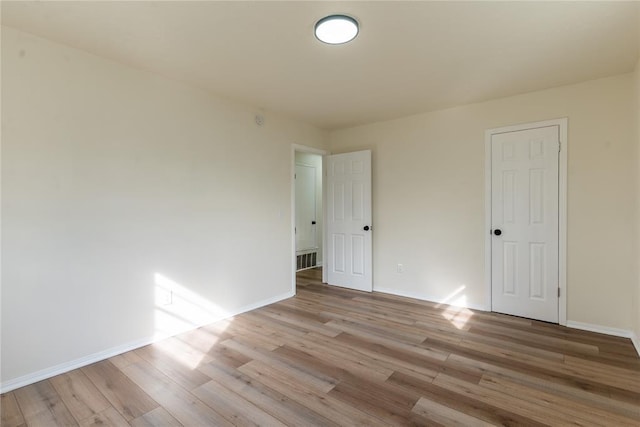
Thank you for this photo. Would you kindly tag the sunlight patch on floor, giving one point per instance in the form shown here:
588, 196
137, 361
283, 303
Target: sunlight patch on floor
455, 308
457, 312
180, 310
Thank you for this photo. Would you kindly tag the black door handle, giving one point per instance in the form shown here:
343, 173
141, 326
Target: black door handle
497, 232
366, 228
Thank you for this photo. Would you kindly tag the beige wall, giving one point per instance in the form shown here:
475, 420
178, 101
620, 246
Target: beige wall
428, 196
118, 185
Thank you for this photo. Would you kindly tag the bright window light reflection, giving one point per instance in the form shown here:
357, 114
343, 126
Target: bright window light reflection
455, 308
178, 310
451, 296
457, 313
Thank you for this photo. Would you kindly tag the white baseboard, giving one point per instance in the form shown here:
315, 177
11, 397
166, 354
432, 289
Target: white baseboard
624, 333
307, 268
570, 323
422, 297
52, 371
636, 342
599, 329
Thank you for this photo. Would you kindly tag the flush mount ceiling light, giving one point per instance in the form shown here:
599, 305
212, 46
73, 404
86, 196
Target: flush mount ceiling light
336, 29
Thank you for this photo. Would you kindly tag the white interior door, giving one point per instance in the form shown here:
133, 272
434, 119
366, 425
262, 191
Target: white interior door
524, 218
348, 222
306, 224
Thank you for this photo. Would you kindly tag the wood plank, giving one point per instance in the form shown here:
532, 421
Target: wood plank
207, 337
507, 345
399, 360
79, 394
323, 290
292, 308
598, 350
182, 405
607, 344
343, 306
602, 401
268, 329
179, 350
401, 333
451, 316
275, 324
308, 325
238, 411
383, 339
331, 408
387, 401
10, 413
319, 367
536, 411
592, 371
446, 416
41, 406
123, 394
243, 334
537, 340
339, 354
226, 356
604, 370
167, 363
271, 401
125, 359
331, 306
157, 417
108, 417
573, 408
321, 384
464, 403
540, 372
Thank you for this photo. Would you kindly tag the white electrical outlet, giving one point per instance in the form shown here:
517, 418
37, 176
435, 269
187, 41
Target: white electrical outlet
400, 268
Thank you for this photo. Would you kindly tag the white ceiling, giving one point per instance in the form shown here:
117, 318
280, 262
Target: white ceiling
409, 57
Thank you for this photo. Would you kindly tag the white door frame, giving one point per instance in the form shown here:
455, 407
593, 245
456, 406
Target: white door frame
562, 123
304, 149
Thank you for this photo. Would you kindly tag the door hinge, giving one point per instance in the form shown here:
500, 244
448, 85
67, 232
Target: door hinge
558, 292
559, 146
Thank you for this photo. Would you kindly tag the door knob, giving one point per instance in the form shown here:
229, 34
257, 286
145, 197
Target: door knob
497, 232
366, 228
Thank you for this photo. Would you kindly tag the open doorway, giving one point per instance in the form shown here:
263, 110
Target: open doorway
308, 205
308, 212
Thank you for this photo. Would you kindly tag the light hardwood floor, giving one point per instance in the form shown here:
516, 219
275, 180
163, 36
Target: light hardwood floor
331, 356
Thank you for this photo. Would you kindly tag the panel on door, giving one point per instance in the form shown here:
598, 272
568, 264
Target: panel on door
524, 218
349, 220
